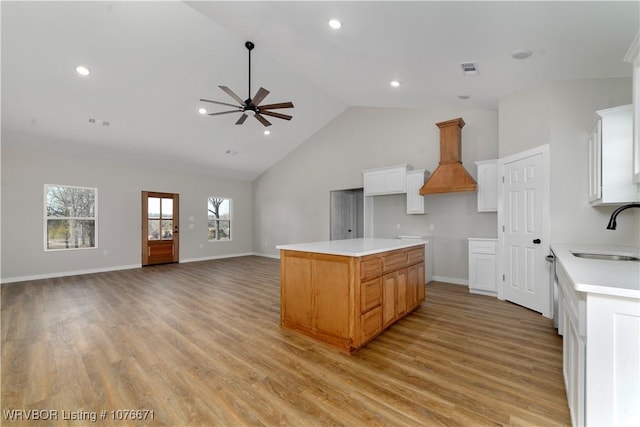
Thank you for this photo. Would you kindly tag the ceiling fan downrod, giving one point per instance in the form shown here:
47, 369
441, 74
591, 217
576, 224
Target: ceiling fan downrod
249, 46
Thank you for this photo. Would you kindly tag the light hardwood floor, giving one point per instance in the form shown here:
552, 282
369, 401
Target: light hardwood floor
200, 344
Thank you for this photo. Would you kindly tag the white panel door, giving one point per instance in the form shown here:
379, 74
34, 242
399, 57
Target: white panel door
342, 215
526, 280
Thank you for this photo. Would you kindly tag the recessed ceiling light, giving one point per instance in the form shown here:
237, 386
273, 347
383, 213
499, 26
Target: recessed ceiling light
335, 24
395, 83
521, 54
464, 96
267, 132
82, 70
202, 110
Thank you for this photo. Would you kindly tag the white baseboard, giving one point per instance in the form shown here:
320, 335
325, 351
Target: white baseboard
267, 255
121, 267
452, 280
68, 273
481, 292
209, 258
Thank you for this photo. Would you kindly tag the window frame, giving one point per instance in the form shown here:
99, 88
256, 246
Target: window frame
230, 219
47, 217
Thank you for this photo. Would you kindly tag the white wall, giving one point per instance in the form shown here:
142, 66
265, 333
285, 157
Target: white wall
27, 165
292, 198
561, 113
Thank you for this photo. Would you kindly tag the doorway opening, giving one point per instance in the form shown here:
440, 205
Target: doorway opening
347, 214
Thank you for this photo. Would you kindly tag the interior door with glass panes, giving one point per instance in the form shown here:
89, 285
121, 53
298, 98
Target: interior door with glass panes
160, 231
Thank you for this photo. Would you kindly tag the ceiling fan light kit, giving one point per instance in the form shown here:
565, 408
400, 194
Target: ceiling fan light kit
252, 107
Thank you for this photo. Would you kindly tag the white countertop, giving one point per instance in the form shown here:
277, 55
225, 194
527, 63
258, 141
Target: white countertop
352, 247
607, 277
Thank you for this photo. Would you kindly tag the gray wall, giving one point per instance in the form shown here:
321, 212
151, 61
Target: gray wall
290, 202
29, 162
292, 198
561, 113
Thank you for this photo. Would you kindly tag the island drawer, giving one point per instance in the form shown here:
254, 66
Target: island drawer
371, 324
415, 255
394, 260
370, 268
370, 294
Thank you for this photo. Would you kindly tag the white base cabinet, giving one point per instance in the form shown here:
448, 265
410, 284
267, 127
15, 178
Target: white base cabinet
572, 327
483, 266
601, 350
612, 388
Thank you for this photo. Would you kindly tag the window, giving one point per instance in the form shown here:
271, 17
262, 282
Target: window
160, 218
70, 217
219, 215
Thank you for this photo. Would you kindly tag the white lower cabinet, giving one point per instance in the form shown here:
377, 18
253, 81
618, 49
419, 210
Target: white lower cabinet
601, 350
483, 266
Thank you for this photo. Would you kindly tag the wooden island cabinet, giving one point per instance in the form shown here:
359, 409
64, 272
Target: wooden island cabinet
346, 292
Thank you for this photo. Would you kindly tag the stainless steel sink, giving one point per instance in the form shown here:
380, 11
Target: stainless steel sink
610, 257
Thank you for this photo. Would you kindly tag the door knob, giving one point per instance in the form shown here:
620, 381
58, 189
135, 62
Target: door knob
536, 241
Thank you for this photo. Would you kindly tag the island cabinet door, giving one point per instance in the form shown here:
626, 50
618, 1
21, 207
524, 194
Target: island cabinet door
421, 284
412, 287
401, 304
389, 297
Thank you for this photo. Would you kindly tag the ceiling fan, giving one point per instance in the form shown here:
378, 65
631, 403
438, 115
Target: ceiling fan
252, 107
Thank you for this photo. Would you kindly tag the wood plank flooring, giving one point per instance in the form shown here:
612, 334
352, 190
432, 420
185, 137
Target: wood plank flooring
200, 344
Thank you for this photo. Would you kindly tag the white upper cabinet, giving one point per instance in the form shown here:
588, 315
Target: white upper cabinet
610, 146
633, 56
415, 180
487, 185
385, 180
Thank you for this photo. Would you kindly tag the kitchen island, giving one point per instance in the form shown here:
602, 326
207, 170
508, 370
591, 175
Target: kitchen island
346, 292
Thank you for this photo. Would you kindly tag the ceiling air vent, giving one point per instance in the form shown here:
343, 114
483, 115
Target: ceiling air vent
469, 68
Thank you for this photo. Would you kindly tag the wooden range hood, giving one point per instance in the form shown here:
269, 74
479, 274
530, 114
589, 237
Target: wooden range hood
450, 176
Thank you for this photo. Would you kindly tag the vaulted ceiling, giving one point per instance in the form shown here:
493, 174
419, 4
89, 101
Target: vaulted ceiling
151, 62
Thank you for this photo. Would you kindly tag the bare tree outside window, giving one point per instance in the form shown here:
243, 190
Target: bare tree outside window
219, 218
70, 217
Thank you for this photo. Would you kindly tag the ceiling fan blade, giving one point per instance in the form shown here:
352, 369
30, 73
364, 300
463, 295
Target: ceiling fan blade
242, 119
278, 115
224, 112
260, 95
221, 103
274, 106
232, 94
262, 120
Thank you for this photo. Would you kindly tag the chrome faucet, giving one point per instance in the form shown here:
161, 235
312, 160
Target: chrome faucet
612, 220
